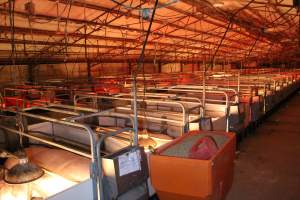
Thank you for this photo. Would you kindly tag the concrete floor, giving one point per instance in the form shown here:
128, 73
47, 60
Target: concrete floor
268, 166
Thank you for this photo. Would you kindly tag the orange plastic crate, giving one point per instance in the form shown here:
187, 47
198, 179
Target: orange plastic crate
177, 178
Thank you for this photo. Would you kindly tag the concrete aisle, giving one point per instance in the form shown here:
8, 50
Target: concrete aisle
268, 166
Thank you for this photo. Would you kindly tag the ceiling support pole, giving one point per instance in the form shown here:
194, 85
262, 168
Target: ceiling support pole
159, 67
31, 73
134, 75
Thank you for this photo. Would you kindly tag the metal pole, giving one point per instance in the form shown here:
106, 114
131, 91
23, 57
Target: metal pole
134, 74
99, 163
135, 111
239, 83
204, 92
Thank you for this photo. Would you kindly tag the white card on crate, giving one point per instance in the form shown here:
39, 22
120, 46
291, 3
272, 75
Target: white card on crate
129, 163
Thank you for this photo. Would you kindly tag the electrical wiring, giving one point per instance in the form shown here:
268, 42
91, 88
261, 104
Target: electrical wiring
158, 6
29, 18
105, 22
214, 36
67, 71
140, 64
169, 18
4, 3
175, 15
34, 18
11, 4
141, 24
175, 42
65, 31
227, 29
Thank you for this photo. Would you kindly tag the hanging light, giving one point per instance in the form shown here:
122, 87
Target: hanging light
23, 172
146, 141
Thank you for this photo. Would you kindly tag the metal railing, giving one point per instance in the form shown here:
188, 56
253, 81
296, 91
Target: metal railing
183, 123
95, 152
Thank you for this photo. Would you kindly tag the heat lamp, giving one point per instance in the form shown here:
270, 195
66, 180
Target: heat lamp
146, 141
23, 172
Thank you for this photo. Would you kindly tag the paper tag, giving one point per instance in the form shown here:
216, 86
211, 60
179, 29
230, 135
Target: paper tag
129, 163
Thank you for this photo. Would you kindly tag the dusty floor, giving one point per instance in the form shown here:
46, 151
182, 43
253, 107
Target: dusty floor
268, 166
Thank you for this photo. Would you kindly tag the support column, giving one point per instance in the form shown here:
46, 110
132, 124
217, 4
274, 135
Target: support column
223, 66
89, 72
181, 67
31, 73
24, 45
129, 67
159, 67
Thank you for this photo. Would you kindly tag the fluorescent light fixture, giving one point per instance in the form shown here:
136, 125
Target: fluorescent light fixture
218, 4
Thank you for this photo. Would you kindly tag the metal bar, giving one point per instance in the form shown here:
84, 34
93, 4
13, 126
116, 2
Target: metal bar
73, 107
52, 110
92, 138
169, 97
227, 105
47, 142
99, 163
83, 96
